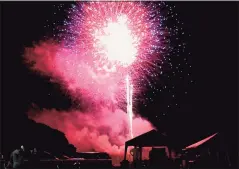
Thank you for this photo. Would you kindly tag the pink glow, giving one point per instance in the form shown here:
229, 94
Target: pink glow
108, 41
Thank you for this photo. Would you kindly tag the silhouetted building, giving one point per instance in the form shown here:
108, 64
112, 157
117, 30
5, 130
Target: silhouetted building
210, 152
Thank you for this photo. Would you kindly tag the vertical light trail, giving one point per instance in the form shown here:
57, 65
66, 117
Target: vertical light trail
131, 110
129, 95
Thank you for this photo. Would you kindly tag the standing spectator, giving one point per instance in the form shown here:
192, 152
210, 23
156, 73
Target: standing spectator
33, 158
135, 152
16, 158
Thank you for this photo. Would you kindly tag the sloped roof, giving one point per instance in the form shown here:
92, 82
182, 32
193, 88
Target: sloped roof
156, 138
151, 138
201, 142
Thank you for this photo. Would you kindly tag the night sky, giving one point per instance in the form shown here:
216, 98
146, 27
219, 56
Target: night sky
201, 89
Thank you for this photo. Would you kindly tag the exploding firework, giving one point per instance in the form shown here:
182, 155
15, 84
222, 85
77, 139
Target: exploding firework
121, 38
107, 48
115, 39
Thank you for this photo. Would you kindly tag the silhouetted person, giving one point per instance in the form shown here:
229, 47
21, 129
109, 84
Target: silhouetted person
33, 158
1, 161
158, 158
135, 152
16, 158
151, 158
1, 156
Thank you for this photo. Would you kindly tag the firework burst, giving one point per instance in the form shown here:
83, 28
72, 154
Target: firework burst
106, 54
111, 40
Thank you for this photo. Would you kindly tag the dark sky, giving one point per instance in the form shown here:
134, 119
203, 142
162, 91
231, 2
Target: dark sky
204, 106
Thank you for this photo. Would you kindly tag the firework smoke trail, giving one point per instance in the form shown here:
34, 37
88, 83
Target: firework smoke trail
102, 44
129, 93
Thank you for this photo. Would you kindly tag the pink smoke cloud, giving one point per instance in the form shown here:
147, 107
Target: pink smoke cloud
103, 131
76, 72
102, 126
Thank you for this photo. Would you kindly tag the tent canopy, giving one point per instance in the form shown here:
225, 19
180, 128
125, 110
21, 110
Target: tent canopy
151, 138
155, 138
